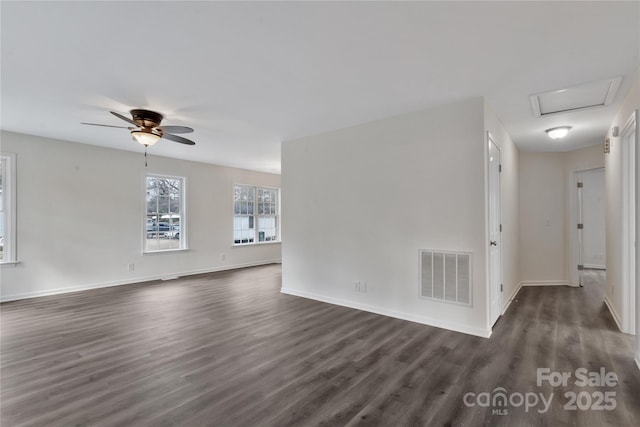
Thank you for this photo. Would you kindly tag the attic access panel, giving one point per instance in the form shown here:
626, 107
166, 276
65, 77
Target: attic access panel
588, 95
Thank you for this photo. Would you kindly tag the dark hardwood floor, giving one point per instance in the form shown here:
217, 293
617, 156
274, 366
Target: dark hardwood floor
227, 349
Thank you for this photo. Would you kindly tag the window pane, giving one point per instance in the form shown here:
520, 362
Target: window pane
174, 187
152, 205
241, 220
267, 231
174, 205
1, 236
163, 187
255, 214
163, 204
2, 169
7, 210
164, 228
151, 184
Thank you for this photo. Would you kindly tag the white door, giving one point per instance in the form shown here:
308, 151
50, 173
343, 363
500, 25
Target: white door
593, 219
495, 232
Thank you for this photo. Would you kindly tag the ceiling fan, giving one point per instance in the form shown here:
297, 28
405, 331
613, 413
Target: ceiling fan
147, 130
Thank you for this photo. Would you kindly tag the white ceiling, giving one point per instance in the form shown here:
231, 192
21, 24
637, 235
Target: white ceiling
248, 75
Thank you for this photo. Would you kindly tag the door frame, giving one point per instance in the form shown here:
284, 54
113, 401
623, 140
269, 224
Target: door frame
637, 289
574, 209
628, 222
493, 291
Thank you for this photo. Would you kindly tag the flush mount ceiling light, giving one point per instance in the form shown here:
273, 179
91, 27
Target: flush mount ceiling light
558, 132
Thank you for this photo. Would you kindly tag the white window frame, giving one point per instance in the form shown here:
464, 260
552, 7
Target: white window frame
9, 208
256, 218
183, 213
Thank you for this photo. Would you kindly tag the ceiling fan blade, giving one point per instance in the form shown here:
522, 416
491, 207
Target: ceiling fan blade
179, 139
176, 129
126, 119
107, 126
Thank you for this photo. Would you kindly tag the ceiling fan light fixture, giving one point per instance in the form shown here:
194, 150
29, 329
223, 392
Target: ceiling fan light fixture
558, 132
146, 138
147, 130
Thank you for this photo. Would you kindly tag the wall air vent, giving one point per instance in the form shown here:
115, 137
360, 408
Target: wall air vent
588, 95
445, 276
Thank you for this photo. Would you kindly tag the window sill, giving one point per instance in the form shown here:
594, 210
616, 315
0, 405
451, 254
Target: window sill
9, 263
239, 245
164, 251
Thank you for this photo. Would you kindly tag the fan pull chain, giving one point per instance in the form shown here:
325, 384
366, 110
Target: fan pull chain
145, 156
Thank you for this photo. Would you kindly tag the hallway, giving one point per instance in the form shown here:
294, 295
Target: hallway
565, 328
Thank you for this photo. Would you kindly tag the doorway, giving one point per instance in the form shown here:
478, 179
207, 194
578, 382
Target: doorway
495, 230
591, 222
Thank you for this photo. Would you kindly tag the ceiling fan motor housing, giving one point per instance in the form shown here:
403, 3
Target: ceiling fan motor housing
146, 118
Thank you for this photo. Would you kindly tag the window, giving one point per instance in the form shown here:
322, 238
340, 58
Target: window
165, 220
7, 208
255, 211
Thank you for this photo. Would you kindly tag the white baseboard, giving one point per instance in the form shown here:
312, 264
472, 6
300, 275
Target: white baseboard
512, 297
544, 283
479, 332
615, 316
167, 276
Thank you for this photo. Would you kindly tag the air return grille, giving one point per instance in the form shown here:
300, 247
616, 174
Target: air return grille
445, 276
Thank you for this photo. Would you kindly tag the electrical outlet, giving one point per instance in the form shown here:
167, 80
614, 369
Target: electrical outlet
131, 267
356, 286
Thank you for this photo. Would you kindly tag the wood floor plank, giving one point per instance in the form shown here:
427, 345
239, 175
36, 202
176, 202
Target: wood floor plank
228, 349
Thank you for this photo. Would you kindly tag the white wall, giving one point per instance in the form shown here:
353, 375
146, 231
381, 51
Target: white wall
510, 181
359, 203
548, 212
593, 211
542, 218
80, 217
615, 294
